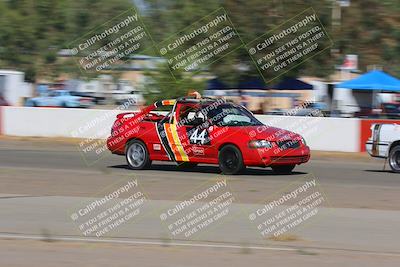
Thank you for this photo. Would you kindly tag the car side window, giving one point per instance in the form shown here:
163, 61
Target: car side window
52, 94
191, 117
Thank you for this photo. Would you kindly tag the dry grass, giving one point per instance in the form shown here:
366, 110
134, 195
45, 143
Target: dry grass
285, 238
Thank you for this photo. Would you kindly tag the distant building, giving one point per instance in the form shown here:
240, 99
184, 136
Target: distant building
13, 88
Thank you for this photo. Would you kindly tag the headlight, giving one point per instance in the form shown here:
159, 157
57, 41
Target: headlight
260, 144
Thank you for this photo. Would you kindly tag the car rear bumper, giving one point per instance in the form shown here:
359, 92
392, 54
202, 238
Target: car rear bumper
116, 145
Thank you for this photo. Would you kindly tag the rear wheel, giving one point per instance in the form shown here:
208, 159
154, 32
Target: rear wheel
230, 160
394, 159
136, 155
283, 169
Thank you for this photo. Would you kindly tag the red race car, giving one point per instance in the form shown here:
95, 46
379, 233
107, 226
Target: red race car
199, 130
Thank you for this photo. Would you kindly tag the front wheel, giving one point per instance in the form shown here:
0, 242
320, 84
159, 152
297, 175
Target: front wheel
136, 155
394, 159
283, 169
230, 160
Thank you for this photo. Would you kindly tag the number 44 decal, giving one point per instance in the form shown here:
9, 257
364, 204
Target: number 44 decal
199, 138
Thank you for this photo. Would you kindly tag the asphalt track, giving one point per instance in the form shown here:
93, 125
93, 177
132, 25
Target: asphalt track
42, 182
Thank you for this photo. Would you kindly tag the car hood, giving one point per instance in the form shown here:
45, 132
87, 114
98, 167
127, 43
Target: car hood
264, 132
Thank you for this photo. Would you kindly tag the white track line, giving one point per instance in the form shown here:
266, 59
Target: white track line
136, 242
181, 244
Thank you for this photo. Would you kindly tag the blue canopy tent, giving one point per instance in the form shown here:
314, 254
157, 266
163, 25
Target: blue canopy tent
292, 84
251, 87
373, 80
290, 88
364, 90
215, 88
255, 87
256, 83
215, 84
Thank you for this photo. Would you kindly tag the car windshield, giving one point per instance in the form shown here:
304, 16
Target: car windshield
231, 115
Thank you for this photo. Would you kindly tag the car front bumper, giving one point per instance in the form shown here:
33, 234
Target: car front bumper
379, 151
269, 157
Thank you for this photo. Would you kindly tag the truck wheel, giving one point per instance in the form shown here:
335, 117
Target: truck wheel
136, 155
230, 160
394, 159
283, 169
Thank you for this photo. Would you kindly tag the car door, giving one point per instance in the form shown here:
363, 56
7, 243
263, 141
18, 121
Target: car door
193, 131
46, 99
175, 144
53, 99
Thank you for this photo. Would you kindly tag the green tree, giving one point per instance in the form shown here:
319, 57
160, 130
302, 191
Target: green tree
33, 31
162, 85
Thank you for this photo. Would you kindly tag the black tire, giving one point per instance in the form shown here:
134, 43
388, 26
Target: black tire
137, 155
394, 159
186, 165
230, 160
283, 169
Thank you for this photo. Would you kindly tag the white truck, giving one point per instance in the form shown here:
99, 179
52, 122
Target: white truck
126, 91
385, 143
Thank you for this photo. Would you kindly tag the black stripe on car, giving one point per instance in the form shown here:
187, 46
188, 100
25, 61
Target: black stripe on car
162, 135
